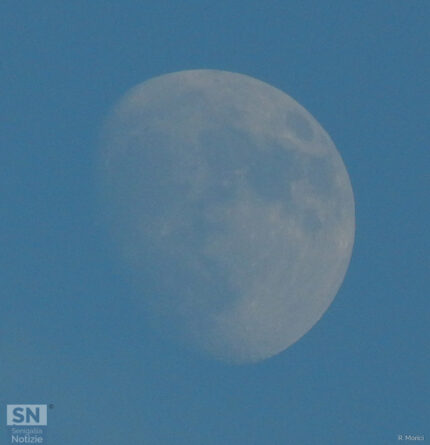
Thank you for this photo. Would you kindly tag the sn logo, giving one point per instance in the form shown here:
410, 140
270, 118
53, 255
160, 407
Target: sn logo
27, 415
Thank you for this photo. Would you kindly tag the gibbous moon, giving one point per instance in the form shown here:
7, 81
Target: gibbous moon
232, 209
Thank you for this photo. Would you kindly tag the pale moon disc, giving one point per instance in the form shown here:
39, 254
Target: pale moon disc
232, 209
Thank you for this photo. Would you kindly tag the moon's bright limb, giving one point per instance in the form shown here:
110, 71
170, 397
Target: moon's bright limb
233, 208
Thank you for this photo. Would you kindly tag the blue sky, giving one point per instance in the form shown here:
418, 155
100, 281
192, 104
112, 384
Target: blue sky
70, 333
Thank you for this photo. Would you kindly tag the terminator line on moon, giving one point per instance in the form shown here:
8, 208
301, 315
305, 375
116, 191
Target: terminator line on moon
232, 208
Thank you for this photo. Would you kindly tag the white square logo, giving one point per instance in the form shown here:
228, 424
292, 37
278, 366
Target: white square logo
27, 415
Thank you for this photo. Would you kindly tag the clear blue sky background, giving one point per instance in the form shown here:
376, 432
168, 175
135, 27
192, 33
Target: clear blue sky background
70, 333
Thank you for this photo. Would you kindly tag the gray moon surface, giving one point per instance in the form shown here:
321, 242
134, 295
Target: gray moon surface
231, 208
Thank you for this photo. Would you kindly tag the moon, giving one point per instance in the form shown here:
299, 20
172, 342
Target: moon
231, 209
